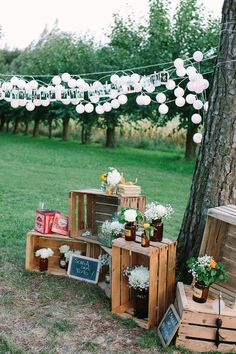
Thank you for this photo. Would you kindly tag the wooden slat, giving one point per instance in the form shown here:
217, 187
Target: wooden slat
208, 319
153, 266
116, 269
81, 216
105, 208
72, 214
204, 346
170, 283
203, 332
131, 246
162, 279
125, 262
106, 199
30, 246
90, 211
222, 214
181, 298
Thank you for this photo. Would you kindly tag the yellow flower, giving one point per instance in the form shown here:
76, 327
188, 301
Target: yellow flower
213, 263
103, 177
146, 226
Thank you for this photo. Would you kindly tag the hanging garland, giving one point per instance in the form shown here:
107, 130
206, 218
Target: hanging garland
89, 95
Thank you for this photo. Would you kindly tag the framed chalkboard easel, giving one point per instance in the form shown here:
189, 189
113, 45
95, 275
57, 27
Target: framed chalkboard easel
84, 268
168, 326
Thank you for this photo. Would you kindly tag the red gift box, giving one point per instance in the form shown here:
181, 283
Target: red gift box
44, 221
60, 224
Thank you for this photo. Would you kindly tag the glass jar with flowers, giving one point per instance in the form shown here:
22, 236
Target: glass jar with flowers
205, 271
62, 261
109, 231
154, 214
44, 254
146, 235
129, 217
110, 180
138, 279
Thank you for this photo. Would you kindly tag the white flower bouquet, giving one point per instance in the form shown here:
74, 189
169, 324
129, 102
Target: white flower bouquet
64, 248
109, 231
110, 180
138, 277
129, 215
44, 253
155, 211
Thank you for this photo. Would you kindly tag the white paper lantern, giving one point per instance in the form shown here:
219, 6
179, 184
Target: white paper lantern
135, 78
125, 89
8, 86
97, 85
192, 77
65, 77
163, 108
138, 87
22, 102
80, 108
150, 88
179, 63
115, 103
139, 100
198, 56
180, 101
14, 103
72, 83
75, 101
59, 88
191, 70
94, 98
122, 99
113, 93
146, 100
34, 84
198, 87
178, 92
181, 72
115, 79
206, 106
30, 106
56, 80
85, 87
37, 102
89, 108
14, 80
170, 85
197, 104
161, 97
58, 95
2, 95
4, 86
99, 109
46, 102
80, 82
21, 84
205, 84
107, 107
197, 138
125, 80
190, 98
28, 88
65, 101
190, 86
196, 118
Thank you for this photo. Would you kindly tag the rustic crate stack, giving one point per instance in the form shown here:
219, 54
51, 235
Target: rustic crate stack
160, 259
197, 329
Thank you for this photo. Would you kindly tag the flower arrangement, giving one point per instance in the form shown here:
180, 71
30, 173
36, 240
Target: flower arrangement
155, 211
138, 277
104, 260
113, 228
111, 178
64, 248
206, 270
44, 253
148, 229
129, 215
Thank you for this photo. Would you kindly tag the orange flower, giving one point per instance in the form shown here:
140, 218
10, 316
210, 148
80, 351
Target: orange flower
213, 263
103, 177
122, 180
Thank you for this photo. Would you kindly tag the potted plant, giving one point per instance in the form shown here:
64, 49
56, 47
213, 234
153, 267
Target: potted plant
44, 254
154, 214
62, 262
138, 279
129, 217
109, 231
205, 271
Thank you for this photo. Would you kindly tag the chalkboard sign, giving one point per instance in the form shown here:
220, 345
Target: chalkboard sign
168, 326
84, 268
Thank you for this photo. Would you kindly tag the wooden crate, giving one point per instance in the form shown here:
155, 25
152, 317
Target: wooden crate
89, 208
219, 241
36, 241
158, 258
198, 329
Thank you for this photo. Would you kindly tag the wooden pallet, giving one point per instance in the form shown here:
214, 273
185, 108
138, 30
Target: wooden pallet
198, 324
158, 259
219, 241
89, 208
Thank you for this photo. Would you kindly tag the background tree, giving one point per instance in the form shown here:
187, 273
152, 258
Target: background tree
214, 181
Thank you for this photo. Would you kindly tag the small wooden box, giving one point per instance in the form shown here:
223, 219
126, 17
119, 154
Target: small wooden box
160, 259
197, 329
89, 208
36, 241
219, 241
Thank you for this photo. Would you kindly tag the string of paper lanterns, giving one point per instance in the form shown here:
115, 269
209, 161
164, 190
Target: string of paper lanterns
187, 85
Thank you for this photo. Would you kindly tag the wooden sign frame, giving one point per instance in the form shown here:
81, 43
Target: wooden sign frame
89, 259
163, 342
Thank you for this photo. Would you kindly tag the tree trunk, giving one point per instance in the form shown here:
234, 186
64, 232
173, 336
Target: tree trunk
36, 127
190, 146
16, 126
65, 134
26, 127
85, 134
8, 125
110, 137
214, 181
3, 120
50, 129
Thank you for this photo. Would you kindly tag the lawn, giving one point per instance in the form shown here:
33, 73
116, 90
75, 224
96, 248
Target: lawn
44, 314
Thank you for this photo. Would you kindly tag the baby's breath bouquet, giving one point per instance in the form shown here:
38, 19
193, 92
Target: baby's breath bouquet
138, 277
109, 231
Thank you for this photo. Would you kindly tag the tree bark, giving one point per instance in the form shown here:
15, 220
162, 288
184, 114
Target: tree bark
16, 126
85, 134
36, 127
26, 127
190, 146
50, 129
110, 137
214, 181
7, 126
3, 120
65, 133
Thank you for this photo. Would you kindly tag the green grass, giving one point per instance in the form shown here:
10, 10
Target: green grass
34, 170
